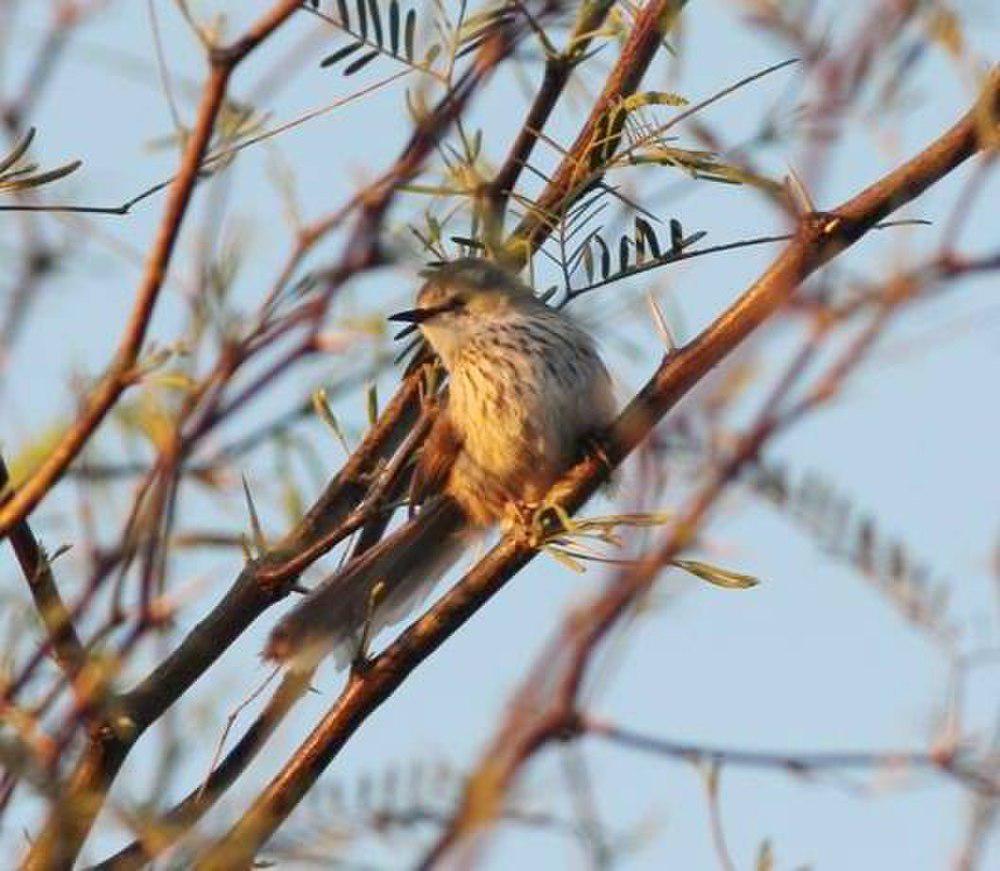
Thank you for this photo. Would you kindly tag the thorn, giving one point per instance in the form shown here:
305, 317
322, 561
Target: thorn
259, 542
597, 447
321, 407
800, 199
662, 327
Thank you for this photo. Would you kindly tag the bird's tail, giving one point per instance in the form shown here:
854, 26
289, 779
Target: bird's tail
375, 590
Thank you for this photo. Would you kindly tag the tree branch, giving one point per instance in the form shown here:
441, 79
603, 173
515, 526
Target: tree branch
555, 76
598, 135
179, 820
942, 761
551, 693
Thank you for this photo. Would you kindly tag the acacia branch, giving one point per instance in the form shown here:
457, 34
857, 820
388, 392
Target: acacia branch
601, 132
558, 68
819, 238
121, 372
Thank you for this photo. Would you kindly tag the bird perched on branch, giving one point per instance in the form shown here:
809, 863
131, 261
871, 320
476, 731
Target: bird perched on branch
527, 390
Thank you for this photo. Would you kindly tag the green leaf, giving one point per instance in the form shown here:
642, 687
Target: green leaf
411, 26
259, 542
323, 411
340, 54
605, 257
362, 20
372, 403
18, 151
394, 26
644, 230
588, 263
376, 19
676, 235
640, 245
434, 225
361, 62
30, 457
652, 98
44, 177
720, 577
559, 555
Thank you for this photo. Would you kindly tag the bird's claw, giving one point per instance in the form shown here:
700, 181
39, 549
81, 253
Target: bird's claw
518, 515
526, 521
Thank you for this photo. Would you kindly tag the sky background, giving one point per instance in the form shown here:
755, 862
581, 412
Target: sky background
812, 659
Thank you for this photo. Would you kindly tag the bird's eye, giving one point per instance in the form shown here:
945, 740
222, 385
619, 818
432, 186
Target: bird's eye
446, 304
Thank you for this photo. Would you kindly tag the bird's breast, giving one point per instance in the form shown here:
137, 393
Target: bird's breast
521, 398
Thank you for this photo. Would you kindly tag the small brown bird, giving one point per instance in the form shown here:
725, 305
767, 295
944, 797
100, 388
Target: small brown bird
527, 388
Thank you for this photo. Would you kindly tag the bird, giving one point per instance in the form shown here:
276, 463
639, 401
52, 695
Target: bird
527, 394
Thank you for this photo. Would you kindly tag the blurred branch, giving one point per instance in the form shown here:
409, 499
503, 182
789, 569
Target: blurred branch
70, 821
121, 372
161, 833
63, 642
239, 447
982, 812
949, 761
67, 15
248, 597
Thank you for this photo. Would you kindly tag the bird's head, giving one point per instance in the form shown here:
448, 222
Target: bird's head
461, 296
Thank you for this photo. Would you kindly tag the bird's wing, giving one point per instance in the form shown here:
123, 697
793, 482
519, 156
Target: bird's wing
404, 566
441, 448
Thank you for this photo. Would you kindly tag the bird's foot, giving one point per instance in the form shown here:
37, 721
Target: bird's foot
523, 520
517, 516
538, 522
